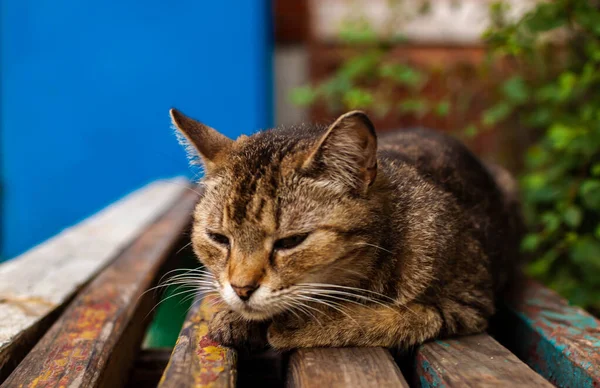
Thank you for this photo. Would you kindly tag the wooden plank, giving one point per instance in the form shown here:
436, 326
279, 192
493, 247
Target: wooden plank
197, 361
473, 361
94, 342
35, 285
559, 341
347, 367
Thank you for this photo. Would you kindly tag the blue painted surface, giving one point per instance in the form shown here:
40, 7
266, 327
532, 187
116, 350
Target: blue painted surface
559, 341
428, 376
86, 88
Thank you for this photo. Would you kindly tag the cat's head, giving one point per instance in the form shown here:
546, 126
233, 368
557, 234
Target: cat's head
285, 212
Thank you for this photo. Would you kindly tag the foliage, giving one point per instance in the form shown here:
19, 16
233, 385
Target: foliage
367, 79
556, 91
551, 91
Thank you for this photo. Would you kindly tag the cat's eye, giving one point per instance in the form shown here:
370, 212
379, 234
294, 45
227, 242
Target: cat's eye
219, 238
289, 242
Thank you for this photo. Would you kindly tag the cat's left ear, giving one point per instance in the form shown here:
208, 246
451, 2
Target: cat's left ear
207, 142
347, 152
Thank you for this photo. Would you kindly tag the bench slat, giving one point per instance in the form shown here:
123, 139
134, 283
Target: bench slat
559, 341
347, 367
197, 361
474, 361
95, 340
36, 285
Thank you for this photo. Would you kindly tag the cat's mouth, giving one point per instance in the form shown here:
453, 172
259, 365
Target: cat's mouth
255, 308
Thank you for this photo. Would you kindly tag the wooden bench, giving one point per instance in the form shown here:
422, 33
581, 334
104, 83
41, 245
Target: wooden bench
74, 312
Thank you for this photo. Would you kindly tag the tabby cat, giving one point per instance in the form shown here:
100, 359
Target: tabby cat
327, 236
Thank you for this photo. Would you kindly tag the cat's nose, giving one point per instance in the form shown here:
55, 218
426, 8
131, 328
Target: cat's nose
244, 292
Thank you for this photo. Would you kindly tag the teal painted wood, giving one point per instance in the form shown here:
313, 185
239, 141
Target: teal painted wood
472, 361
559, 341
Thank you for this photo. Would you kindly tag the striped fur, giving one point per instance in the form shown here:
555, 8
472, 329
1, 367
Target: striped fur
403, 238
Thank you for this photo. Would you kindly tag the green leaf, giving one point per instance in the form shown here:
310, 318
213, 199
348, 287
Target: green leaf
531, 242
515, 90
358, 99
496, 113
551, 222
596, 169
415, 106
541, 266
586, 253
590, 193
442, 108
545, 17
573, 216
471, 131
561, 136
304, 95
566, 82
597, 232
357, 32
536, 157
403, 75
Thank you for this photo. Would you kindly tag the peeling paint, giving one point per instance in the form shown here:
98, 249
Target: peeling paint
559, 341
197, 360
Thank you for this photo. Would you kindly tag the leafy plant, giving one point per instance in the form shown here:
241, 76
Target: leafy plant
551, 93
556, 92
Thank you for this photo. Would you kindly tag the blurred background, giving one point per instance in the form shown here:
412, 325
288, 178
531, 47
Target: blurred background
86, 89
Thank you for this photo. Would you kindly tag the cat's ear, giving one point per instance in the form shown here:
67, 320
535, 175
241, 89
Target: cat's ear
206, 141
347, 152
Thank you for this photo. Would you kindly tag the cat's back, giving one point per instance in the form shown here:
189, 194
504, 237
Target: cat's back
441, 160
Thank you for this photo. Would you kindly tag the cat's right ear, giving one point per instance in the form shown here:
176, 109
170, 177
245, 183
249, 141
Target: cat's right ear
207, 142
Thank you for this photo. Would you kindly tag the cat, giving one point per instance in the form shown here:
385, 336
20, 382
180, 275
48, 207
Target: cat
326, 236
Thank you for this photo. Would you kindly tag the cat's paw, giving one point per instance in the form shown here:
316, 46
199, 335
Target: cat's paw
283, 335
229, 329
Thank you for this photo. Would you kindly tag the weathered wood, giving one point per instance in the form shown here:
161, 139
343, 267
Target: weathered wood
473, 361
343, 367
35, 285
95, 340
197, 361
559, 341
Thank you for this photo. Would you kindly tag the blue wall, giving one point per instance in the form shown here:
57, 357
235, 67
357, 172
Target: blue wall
86, 88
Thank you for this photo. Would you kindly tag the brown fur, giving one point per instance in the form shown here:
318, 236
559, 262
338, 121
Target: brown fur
407, 238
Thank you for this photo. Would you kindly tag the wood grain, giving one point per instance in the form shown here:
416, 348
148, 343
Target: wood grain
559, 341
35, 285
197, 361
343, 367
474, 361
95, 340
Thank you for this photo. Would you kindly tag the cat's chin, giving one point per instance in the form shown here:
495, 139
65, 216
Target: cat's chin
252, 314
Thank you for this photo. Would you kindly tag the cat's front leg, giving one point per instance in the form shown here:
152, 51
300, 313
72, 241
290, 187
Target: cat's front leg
393, 326
230, 329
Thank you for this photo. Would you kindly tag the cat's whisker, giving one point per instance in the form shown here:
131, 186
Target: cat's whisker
179, 184
187, 283
336, 290
169, 297
288, 306
186, 271
374, 246
190, 280
303, 306
183, 247
350, 271
329, 292
333, 305
327, 295
191, 276
349, 288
